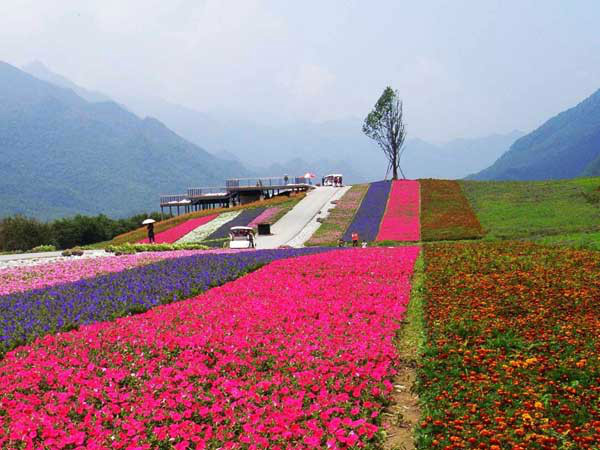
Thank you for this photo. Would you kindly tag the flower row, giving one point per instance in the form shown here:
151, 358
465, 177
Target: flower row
202, 232
401, 219
340, 217
446, 213
299, 354
245, 217
27, 315
264, 216
368, 217
512, 354
177, 232
19, 279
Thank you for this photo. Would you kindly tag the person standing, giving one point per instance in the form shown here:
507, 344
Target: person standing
151, 233
354, 239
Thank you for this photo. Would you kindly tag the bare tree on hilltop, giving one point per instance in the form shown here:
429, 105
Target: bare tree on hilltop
385, 126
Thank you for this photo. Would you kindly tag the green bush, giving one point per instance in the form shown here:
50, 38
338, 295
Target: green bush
20, 233
129, 249
43, 248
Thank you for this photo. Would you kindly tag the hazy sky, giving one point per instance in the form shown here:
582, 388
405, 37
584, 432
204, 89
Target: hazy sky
463, 68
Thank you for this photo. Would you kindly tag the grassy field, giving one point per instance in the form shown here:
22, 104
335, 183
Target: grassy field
532, 209
589, 241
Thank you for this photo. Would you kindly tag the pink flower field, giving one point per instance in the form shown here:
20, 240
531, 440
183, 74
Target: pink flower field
20, 279
401, 219
264, 216
298, 354
177, 232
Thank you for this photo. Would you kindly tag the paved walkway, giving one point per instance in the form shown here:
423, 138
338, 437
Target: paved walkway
301, 238
288, 229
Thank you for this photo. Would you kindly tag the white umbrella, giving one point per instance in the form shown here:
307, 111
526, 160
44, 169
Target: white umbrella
148, 221
309, 175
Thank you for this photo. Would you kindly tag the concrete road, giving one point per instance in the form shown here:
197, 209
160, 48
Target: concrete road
293, 223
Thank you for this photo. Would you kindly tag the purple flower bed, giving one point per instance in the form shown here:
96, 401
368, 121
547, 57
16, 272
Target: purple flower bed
25, 316
246, 217
368, 217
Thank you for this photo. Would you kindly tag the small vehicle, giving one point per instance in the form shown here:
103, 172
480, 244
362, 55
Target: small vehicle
242, 237
334, 179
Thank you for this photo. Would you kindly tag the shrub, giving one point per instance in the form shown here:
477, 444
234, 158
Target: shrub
43, 248
129, 249
21, 233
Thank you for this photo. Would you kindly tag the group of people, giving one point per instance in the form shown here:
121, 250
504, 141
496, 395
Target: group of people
355, 239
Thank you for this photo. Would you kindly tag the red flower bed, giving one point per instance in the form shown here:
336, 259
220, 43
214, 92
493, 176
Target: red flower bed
446, 213
177, 232
298, 354
401, 219
512, 360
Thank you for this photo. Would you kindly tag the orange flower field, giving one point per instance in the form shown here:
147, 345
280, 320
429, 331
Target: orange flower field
512, 359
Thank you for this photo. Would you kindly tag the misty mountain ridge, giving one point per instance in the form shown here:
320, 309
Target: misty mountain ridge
341, 142
566, 146
40, 71
336, 145
63, 155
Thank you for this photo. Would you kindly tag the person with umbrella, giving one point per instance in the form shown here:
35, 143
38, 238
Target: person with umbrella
150, 226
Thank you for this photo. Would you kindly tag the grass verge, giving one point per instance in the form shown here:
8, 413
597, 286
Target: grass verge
404, 414
581, 241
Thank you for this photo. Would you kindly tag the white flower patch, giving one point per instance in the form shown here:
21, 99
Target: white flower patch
203, 231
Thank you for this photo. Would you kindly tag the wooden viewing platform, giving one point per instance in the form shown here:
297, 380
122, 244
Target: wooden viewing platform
237, 191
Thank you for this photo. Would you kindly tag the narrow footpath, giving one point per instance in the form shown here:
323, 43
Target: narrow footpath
289, 229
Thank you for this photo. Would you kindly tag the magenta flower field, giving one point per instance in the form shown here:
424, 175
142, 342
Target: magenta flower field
177, 232
401, 219
298, 354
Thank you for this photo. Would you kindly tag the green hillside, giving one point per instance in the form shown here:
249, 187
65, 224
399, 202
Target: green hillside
566, 146
513, 209
62, 155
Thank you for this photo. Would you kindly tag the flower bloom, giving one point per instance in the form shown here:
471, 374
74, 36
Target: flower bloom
368, 217
299, 354
401, 219
177, 232
203, 231
27, 315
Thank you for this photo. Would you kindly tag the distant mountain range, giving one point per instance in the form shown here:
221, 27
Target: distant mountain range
63, 155
68, 150
334, 146
566, 146
329, 147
